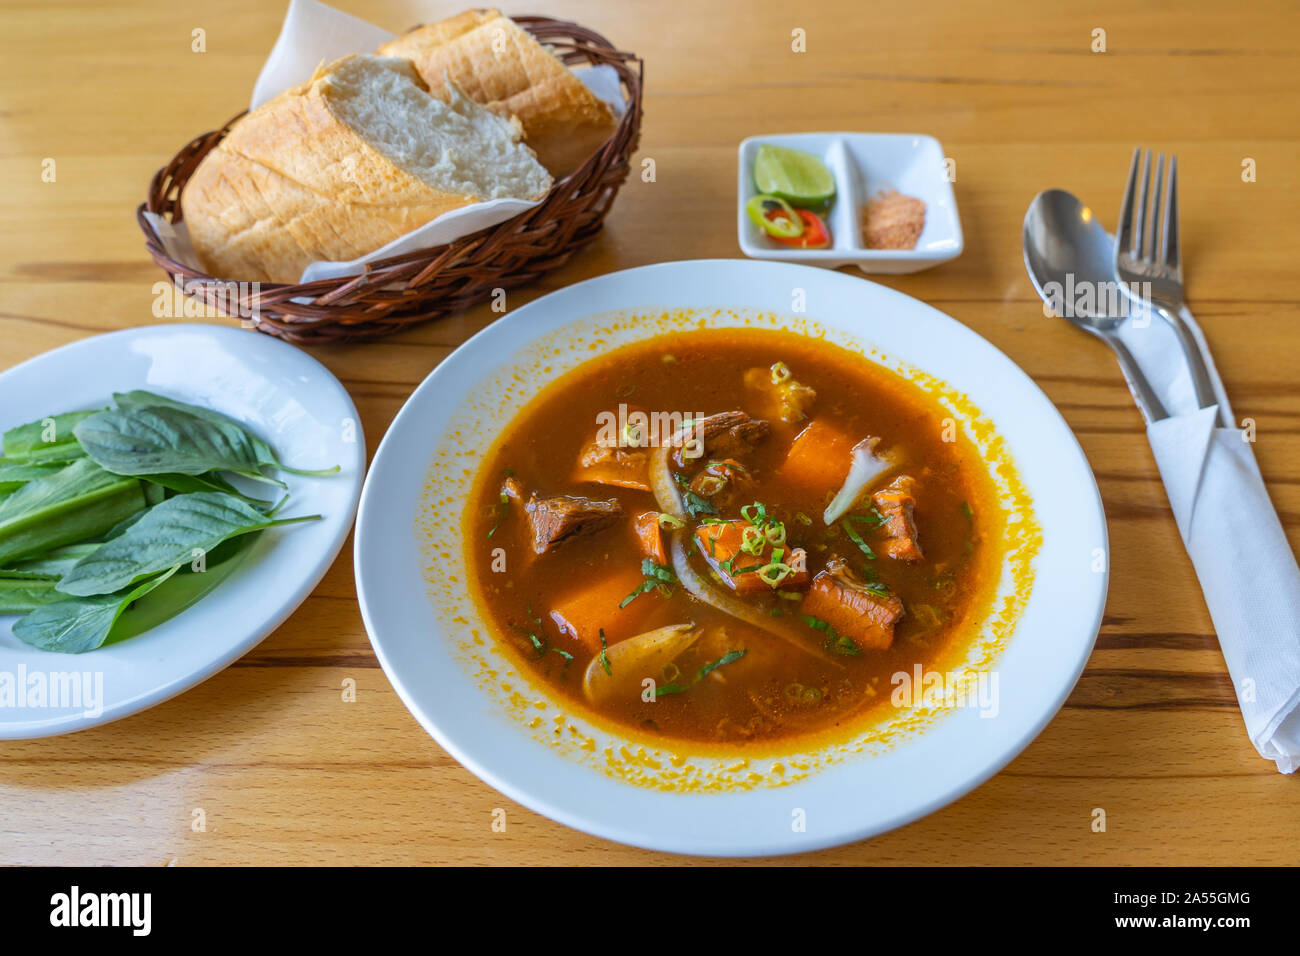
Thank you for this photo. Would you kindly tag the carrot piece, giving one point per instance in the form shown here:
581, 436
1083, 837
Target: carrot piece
583, 613
651, 537
819, 457
720, 544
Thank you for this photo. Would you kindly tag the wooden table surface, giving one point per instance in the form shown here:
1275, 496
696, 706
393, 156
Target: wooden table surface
286, 772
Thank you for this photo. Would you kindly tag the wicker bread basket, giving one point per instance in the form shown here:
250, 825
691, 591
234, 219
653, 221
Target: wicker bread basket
398, 292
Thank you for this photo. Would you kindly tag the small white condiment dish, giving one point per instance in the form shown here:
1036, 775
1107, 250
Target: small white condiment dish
864, 165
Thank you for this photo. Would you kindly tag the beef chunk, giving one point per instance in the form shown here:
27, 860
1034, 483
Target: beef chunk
559, 519
724, 435
854, 608
896, 503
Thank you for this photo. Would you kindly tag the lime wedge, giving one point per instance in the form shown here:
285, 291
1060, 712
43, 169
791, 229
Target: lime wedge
799, 178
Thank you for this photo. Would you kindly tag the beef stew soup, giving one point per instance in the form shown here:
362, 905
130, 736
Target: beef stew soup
733, 537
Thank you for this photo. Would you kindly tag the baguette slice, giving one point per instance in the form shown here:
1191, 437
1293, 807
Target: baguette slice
499, 64
345, 163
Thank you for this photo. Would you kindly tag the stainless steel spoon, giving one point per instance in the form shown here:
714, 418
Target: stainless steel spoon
1065, 246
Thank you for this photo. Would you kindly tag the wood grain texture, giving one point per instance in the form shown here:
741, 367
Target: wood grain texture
285, 772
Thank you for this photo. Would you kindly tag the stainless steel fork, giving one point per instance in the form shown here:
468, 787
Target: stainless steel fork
1147, 258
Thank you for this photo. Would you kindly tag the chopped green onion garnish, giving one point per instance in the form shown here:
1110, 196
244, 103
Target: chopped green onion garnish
604, 657
857, 539
752, 540
695, 505
839, 643
728, 658
656, 575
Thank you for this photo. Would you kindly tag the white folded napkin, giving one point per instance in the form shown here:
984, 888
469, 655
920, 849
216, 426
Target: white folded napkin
1247, 571
314, 33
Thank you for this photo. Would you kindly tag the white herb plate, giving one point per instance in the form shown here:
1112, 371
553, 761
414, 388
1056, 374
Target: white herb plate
422, 625
281, 393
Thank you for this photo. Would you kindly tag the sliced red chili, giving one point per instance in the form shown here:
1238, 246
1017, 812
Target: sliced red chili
815, 234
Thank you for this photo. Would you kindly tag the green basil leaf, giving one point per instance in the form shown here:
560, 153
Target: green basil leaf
159, 440
53, 565
19, 597
265, 454
154, 493
188, 484
15, 474
77, 502
142, 399
169, 534
122, 525
48, 438
181, 590
58, 453
82, 477
77, 625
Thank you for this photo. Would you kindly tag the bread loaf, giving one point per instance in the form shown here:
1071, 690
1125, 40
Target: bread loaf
344, 164
498, 64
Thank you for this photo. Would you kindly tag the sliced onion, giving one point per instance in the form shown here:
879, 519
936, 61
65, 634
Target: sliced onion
696, 584
633, 660
866, 467
665, 489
